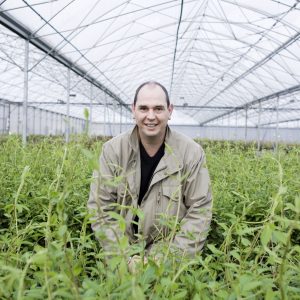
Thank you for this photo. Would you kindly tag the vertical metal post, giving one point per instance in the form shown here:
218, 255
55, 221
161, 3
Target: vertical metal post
8, 119
25, 95
126, 118
236, 125
258, 126
67, 128
228, 128
222, 128
55, 124
18, 120
246, 123
91, 110
61, 124
277, 123
114, 118
33, 129
104, 110
121, 108
40, 121
46, 120
3, 118
52, 123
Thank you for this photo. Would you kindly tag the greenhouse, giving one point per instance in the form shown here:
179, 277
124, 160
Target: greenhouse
232, 68
69, 71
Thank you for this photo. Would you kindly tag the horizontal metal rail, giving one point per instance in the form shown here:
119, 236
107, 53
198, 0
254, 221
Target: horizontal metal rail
204, 107
13, 25
248, 105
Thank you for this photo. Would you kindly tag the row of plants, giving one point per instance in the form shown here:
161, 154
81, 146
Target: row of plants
47, 248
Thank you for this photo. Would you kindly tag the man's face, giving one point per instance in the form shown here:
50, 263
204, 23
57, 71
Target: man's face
151, 112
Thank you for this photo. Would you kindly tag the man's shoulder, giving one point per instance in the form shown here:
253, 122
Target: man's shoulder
183, 141
185, 148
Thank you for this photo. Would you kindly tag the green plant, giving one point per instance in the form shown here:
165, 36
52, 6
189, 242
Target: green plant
47, 249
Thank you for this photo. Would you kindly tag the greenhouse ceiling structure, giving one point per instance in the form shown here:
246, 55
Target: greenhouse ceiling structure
233, 63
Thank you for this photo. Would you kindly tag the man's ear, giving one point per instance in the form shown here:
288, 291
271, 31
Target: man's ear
132, 110
170, 109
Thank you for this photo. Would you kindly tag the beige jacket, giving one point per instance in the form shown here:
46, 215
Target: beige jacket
179, 194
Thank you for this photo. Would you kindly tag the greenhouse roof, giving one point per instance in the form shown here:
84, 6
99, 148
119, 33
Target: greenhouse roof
221, 60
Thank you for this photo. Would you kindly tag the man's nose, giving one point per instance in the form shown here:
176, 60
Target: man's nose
151, 114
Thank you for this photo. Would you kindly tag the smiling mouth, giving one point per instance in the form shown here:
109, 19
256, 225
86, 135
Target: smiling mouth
151, 125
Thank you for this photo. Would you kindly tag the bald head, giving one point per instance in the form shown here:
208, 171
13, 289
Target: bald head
151, 85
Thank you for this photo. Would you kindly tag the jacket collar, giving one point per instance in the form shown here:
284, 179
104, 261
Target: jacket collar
134, 138
171, 161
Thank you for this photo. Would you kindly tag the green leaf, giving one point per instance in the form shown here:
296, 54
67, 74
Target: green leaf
40, 258
266, 234
297, 204
245, 242
280, 236
251, 285
214, 250
137, 293
62, 230
181, 295
77, 269
123, 242
235, 254
270, 294
115, 215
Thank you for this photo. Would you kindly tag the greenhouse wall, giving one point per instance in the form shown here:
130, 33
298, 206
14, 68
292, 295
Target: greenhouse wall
39, 121
267, 134
44, 122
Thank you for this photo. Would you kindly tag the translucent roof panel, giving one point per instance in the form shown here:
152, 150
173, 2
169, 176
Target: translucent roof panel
216, 58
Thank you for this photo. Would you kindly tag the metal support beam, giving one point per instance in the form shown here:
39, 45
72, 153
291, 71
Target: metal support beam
25, 94
258, 127
91, 110
277, 119
121, 120
281, 93
183, 107
289, 42
33, 121
281, 121
40, 122
8, 119
67, 128
246, 123
114, 120
12, 24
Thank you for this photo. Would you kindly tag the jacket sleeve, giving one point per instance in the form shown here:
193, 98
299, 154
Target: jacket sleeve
103, 199
197, 198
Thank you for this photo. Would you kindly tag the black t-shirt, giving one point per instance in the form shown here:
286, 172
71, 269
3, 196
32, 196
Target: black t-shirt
148, 166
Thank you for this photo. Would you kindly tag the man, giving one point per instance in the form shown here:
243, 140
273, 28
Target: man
157, 170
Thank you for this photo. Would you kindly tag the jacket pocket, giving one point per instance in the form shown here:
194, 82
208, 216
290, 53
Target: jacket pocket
170, 201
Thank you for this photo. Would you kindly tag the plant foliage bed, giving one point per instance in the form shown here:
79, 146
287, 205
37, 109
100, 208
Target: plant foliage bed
48, 251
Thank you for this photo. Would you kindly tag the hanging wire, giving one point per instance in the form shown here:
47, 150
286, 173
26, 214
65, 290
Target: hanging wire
175, 49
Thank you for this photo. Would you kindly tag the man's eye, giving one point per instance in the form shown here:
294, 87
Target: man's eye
158, 109
143, 109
